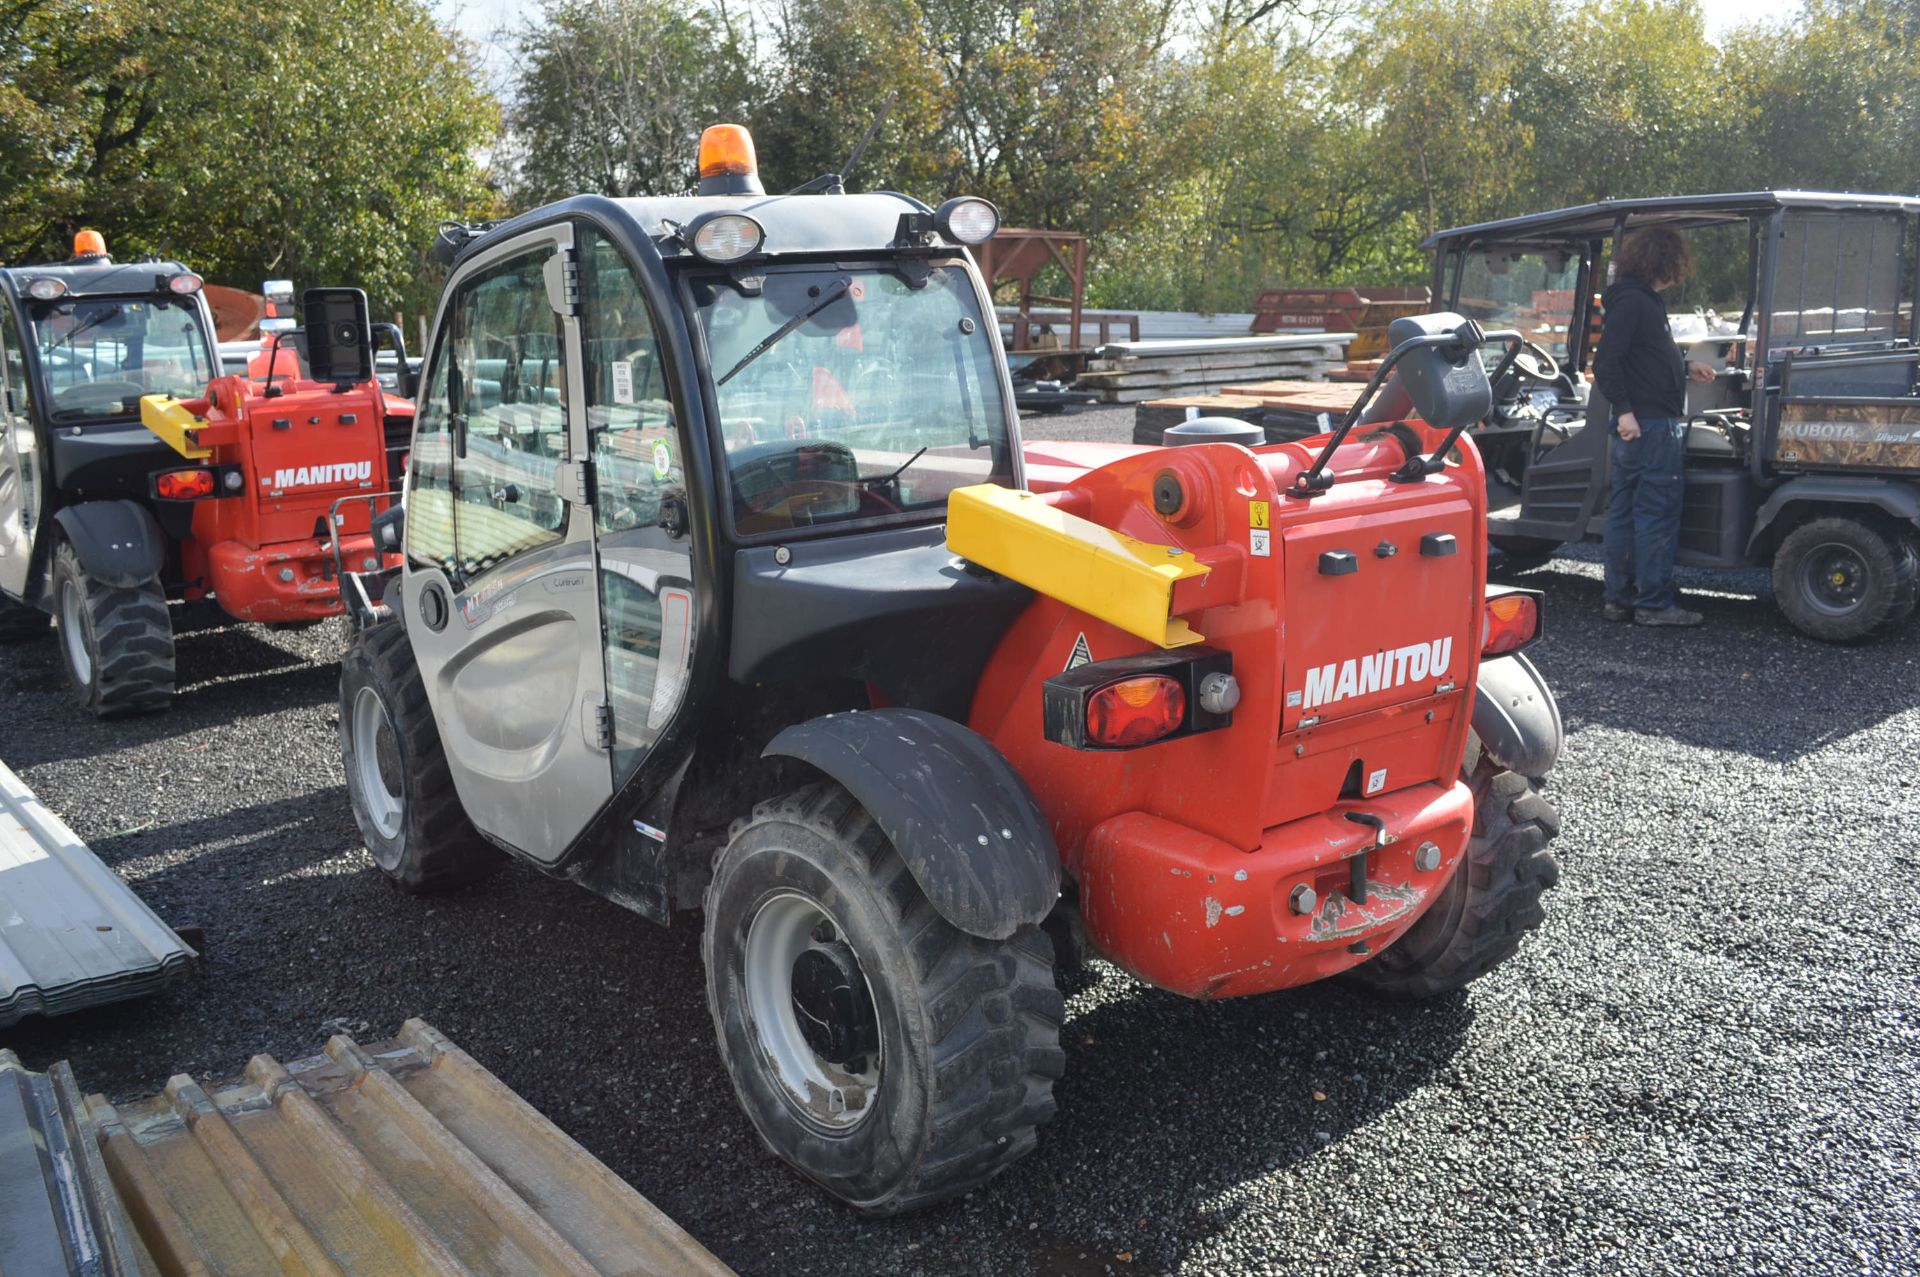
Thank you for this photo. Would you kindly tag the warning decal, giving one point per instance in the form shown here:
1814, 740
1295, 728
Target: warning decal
1082, 654
1259, 514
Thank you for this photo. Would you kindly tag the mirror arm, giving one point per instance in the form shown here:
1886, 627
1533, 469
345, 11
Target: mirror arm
1315, 479
1418, 467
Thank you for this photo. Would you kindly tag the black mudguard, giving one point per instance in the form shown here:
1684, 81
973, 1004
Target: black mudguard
1515, 716
951, 805
119, 542
1895, 498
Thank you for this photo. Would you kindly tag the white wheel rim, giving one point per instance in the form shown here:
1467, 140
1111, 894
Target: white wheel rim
821, 1092
73, 631
384, 806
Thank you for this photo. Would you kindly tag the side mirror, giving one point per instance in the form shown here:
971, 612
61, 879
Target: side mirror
1446, 382
339, 338
403, 377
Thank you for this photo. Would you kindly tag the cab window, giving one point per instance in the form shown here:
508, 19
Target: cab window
646, 572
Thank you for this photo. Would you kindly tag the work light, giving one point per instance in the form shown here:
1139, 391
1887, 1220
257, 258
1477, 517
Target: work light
184, 284
726, 237
967, 219
46, 289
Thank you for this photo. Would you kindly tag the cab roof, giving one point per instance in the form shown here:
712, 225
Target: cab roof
814, 223
97, 279
1681, 212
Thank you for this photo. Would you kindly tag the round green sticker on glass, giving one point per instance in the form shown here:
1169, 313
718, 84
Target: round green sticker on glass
662, 459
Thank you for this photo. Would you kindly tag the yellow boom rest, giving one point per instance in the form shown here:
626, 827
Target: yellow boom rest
168, 418
1124, 582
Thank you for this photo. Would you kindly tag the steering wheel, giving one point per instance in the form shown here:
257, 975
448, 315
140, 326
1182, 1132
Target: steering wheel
781, 506
88, 393
1534, 363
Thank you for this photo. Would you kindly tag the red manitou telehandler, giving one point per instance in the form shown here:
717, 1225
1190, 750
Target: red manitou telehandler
134, 477
727, 584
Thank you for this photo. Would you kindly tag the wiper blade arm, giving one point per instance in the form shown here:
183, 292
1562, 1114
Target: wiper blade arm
773, 338
895, 474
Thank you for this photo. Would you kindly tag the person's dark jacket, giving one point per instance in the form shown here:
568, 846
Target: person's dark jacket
1639, 367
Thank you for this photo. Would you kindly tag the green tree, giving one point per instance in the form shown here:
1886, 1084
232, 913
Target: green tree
321, 140
613, 95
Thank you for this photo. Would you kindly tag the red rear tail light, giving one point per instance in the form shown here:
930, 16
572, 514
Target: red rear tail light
183, 485
1135, 711
1509, 623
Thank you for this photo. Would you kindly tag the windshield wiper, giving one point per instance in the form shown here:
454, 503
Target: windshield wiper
891, 476
773, 338
88, 325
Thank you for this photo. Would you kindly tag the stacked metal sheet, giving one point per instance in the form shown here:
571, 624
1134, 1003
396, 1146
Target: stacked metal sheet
401, 1157
72, 934
58, 1209
1133, 371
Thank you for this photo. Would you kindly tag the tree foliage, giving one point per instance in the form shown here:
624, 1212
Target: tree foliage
320, 140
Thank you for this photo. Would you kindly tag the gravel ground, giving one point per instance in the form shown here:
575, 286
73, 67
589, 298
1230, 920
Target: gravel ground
1707, 1061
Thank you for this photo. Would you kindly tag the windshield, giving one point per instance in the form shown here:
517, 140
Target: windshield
852, 392
99, 355
1528, 290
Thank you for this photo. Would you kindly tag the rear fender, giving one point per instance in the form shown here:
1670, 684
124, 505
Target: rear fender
1515, 718
951, 805
119, 542
1891, 497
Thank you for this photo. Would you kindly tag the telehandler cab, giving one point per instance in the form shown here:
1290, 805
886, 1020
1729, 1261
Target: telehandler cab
133, 475
727, 585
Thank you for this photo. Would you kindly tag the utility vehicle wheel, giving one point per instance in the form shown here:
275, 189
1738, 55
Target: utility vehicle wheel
402, 794
117, 643
888, 1055
1842, 580
1492, 901
18, 622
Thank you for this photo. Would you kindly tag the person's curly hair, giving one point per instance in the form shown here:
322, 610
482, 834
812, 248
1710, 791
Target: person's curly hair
1654, 255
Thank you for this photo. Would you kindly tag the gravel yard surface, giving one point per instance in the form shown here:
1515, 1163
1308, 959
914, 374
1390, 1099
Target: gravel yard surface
1707, 1061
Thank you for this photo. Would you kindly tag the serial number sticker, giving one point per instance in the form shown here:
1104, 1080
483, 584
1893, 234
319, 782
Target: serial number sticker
1376, 781
1293, 699
1259, 514
622, 381
1260, 541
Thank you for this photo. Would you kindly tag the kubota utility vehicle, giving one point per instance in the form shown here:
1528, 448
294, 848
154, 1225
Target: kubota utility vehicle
132, 474
1802, 453
727, 585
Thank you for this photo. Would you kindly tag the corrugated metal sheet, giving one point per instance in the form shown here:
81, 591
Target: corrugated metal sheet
58, 1209
402, 1158
72, 934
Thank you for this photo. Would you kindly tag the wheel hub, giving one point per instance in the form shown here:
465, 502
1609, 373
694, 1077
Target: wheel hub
1837, 579
831, 1003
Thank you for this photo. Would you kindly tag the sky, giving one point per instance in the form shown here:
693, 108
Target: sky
480, 20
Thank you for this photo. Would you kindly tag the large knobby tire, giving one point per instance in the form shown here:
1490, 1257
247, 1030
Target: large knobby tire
940, 1058
20, 623
1842, 580
1492, 900
116, 642
397, 780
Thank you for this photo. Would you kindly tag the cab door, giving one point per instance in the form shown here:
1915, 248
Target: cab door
501, 609
19, 470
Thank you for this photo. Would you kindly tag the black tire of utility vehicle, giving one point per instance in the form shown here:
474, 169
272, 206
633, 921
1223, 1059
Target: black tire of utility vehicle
116, 643
19, 623
1519, 554
1842, 580
968, 1029
1492, 900
397, 780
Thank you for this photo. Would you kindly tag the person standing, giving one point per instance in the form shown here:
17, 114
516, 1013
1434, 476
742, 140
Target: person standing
1639, 369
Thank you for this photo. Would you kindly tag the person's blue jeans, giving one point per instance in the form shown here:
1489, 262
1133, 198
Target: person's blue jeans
1643, 512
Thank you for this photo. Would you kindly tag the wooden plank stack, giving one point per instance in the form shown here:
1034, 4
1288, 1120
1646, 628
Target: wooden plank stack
1134, 372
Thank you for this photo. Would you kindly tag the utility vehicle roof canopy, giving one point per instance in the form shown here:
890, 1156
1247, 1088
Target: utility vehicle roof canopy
1681, 212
